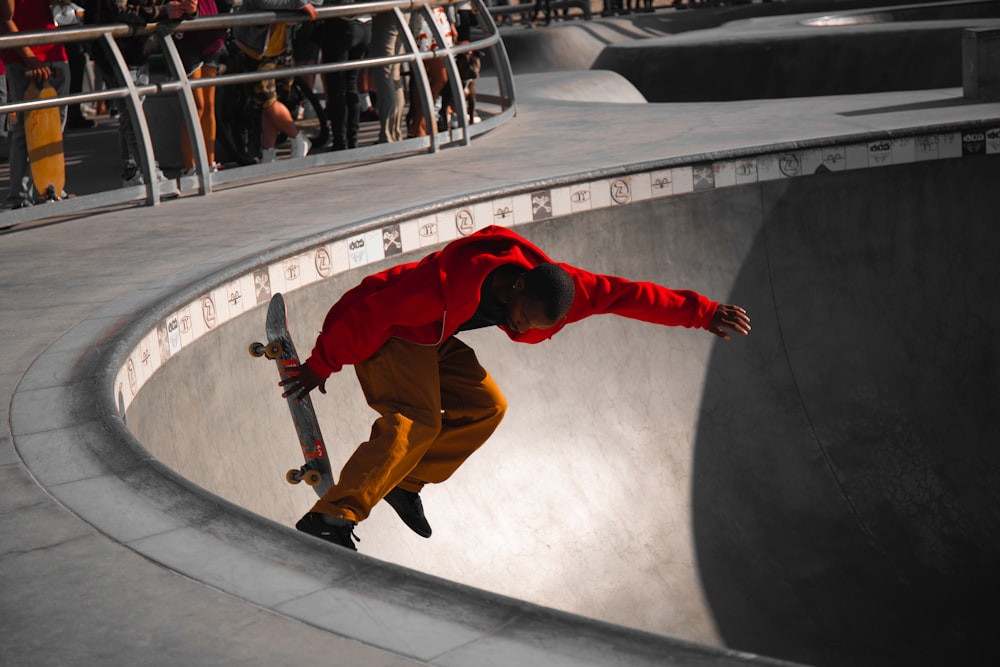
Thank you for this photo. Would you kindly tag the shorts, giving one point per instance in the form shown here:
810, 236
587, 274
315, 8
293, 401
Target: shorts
265, 92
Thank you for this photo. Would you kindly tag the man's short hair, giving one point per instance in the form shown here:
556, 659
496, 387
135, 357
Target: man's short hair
553, 287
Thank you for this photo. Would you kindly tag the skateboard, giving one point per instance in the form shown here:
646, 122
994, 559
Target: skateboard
43, 134
279, 347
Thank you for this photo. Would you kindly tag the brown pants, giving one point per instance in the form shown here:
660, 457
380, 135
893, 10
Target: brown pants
437, 406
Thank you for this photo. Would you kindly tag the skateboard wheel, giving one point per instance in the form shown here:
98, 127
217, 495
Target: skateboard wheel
274, 350
256, 349
312, 478
293, 476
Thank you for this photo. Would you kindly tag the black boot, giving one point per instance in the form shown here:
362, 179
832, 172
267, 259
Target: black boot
329, 528
409, 508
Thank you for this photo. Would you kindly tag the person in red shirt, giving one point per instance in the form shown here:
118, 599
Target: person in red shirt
437, 405
42, 62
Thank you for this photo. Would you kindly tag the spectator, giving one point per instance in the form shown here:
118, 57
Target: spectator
4, 148
67, 13
40, 63
134, 51
343, 40
389, 98
436, 72
268, 48
201, 53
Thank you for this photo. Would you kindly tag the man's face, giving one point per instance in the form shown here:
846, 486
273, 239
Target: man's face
525, 313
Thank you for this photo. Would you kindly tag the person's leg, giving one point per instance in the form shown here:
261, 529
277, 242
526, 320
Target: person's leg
336, 46
208, 113
199, 104
76, 57
21, 190
360, 37
401, 383
389, 95
473, 406
437, 77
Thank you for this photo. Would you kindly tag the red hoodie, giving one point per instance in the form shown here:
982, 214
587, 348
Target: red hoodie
426, 302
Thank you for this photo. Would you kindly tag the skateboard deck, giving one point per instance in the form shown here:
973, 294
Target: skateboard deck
279, 347
43, 134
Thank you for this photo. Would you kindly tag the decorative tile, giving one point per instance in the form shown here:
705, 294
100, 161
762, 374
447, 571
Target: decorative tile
993, 141
724, 173
503, 212
580, 198
682, 179
620, 191
745, 170
661, 183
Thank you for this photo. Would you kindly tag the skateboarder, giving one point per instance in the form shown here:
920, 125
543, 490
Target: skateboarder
437, 405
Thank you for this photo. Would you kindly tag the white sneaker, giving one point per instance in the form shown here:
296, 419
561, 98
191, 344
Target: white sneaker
300, 145
135, 179
268, 155
193, 171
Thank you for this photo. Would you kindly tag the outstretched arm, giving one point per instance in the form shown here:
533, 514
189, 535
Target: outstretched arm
729, 318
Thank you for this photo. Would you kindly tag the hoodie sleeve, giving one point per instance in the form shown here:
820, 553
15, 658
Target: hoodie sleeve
598, 294
601, 294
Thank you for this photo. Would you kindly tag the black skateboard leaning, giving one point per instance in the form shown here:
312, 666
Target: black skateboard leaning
315, 472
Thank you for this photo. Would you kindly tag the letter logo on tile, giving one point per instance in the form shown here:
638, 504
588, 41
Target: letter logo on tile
790, 165
357, 251
208, 312
993, 140
621, 190
323, 262
428, 230
464, 222
133, 381
879, 152
174, 335
973, 143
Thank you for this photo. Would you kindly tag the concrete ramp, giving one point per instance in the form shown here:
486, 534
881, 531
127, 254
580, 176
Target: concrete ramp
823, 491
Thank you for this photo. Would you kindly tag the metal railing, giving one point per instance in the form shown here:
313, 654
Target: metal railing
406, 14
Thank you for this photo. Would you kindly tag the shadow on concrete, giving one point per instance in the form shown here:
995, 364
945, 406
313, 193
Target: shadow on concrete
849, 515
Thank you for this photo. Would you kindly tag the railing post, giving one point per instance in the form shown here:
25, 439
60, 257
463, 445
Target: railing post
189, 112
146, 158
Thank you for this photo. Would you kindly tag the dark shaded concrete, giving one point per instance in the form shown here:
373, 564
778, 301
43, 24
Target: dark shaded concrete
850, 516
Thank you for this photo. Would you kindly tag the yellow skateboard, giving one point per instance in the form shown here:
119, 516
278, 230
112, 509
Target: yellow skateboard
43, 133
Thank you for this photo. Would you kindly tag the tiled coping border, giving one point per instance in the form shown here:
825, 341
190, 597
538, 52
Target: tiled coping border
411, 232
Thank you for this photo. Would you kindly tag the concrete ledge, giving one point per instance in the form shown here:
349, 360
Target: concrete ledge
981, 63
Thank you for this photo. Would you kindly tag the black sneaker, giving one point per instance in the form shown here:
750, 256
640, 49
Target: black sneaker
329, 528
410, 509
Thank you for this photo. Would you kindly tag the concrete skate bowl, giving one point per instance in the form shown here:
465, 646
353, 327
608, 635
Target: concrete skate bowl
829, 52
822, 491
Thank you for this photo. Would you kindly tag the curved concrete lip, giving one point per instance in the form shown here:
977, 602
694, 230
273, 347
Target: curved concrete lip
70, 450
